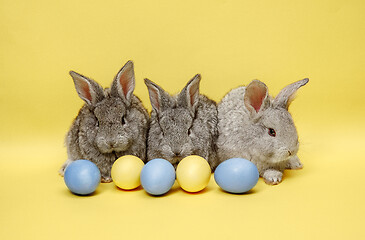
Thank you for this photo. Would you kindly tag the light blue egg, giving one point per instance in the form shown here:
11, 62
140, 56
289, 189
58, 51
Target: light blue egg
157, 176
82, 177
236, 175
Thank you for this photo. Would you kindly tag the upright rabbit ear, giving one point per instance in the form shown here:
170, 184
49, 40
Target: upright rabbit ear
190, 93
124, 83
256, 97
287, 94
89, 91
158, 97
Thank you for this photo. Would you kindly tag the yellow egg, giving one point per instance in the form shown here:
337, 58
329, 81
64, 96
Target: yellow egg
193, 173
126, 172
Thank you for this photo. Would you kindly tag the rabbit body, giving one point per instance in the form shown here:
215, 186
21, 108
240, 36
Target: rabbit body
257, 127
182, 125
112, 123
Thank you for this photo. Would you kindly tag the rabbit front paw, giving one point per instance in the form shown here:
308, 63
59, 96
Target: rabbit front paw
63, 168
294, 163
106, 179
272, 176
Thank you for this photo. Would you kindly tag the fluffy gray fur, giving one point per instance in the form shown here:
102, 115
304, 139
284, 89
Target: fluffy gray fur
246, 115
112, 123
182, 125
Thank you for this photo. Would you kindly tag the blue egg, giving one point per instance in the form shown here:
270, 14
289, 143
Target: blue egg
236, 175
82, 177
157, 176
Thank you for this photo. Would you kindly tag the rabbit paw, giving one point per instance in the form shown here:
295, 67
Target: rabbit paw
294, 163
106, 179
61, 172
272, 176
63, 168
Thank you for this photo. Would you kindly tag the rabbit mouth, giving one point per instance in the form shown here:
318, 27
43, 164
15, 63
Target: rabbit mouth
121, 148
281, 154
113, 144
282, 157
114, 148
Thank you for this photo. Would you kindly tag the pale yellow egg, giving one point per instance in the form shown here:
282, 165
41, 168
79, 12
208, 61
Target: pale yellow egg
193, 173
126, 172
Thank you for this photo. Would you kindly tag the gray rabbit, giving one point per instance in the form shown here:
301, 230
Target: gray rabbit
182, 125
112, 123
257, 127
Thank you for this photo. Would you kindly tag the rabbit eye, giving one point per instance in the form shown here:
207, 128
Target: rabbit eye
123, 120
272, 132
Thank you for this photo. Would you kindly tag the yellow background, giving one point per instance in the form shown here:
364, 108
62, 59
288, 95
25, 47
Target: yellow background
229, 43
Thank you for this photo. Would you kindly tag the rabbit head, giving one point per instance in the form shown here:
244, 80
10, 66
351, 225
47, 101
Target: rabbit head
109, 127
274, 138
172, 117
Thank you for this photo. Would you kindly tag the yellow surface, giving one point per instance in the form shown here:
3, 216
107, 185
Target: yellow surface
229, 43
126, 172
193, 173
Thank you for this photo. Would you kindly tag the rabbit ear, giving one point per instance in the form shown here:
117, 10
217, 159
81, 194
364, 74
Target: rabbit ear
287, 94
256, 96
124, 83
190, 94
89, 91
158, 97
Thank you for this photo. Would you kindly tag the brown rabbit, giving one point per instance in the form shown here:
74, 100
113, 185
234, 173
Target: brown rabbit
112, 122
182, 125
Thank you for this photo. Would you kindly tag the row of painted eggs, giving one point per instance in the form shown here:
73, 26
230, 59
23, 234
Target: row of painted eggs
236, 175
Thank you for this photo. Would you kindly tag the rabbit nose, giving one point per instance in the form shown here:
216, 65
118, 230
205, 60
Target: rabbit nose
289, 153
111, 144
176, 153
